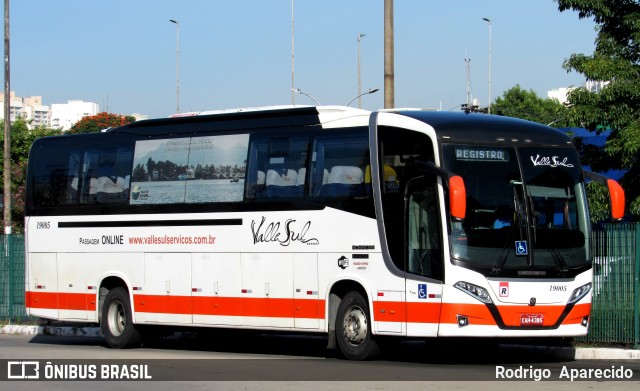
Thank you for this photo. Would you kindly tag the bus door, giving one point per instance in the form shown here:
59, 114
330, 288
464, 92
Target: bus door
424, 258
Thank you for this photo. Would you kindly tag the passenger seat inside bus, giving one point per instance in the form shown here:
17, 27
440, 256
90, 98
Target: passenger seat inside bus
344, 181
281, 183
108, 191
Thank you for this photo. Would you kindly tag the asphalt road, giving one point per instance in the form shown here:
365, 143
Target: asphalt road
253, 361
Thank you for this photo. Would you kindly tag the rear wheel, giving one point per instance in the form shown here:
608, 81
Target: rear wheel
353, 328
117, 321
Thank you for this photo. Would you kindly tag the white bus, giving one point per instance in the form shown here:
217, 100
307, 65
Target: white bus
330, 220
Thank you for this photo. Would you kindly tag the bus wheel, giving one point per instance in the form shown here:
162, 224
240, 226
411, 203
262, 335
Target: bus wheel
117, 323
353, 328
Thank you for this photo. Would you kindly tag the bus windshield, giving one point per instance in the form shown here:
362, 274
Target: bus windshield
526, 211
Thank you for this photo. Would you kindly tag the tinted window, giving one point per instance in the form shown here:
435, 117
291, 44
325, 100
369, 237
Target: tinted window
277, 167
339, 162
67, 175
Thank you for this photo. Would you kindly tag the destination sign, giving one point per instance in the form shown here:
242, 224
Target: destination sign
482, 154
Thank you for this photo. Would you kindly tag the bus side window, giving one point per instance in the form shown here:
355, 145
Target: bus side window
105, 176
277, 167
56, 179
339, 165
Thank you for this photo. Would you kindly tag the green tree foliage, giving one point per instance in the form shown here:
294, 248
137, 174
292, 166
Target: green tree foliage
100, 121
616, 59
21, 140
519, 103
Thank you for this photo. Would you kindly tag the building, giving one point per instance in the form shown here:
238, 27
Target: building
30, 109
561, 94
65, 115
59, 115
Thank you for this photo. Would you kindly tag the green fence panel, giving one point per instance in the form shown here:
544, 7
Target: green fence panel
12, 295
614, 312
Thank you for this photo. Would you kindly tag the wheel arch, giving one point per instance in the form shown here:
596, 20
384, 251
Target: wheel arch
108, 283
338, 290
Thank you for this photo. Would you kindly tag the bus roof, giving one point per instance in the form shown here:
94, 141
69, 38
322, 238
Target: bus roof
485, 128
247, 118
450, 126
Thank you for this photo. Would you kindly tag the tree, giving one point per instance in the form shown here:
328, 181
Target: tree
21, 140
100, 121
616, 60
518, 103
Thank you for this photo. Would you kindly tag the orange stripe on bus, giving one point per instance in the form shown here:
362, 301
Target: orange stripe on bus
61, 300
231, 306
479, 313
397, 311
221, 306
384, 311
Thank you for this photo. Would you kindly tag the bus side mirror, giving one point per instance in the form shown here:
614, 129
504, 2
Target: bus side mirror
616, 197
458, 197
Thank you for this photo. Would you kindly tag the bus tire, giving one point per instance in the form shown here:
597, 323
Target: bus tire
353, 328
117, 320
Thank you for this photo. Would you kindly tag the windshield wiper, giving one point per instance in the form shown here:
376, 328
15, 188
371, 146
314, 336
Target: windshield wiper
558, 258
506, 249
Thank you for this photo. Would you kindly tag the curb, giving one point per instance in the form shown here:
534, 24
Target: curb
579, 353
64, 331
607, 354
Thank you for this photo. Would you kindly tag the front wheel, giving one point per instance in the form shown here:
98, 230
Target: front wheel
117, 321
353, 328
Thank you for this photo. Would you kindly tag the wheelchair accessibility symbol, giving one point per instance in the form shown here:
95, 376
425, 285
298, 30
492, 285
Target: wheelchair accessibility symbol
521, 247
422, 291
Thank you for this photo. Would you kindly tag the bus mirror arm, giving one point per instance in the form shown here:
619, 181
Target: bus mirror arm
457, 191
616, 193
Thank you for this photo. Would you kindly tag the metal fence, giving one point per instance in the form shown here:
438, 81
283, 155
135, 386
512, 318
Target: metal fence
12, 297
615, 318
615, 313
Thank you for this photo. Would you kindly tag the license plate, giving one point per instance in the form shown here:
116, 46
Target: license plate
531, 319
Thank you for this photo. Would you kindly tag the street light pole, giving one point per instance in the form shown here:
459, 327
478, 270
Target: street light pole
371, 91
299, 91
389, 72
177, 64
360, 36
489, 106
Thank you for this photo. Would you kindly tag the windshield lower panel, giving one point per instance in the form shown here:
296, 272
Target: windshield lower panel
526, 211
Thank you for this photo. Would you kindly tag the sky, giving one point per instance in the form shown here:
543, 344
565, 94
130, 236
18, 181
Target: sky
121, 54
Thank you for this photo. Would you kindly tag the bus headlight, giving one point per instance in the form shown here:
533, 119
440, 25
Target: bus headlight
579, 293
476, 291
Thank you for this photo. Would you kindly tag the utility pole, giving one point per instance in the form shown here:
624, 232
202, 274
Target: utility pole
293, 84
7, 125
490, 25
389, 96
360, 36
